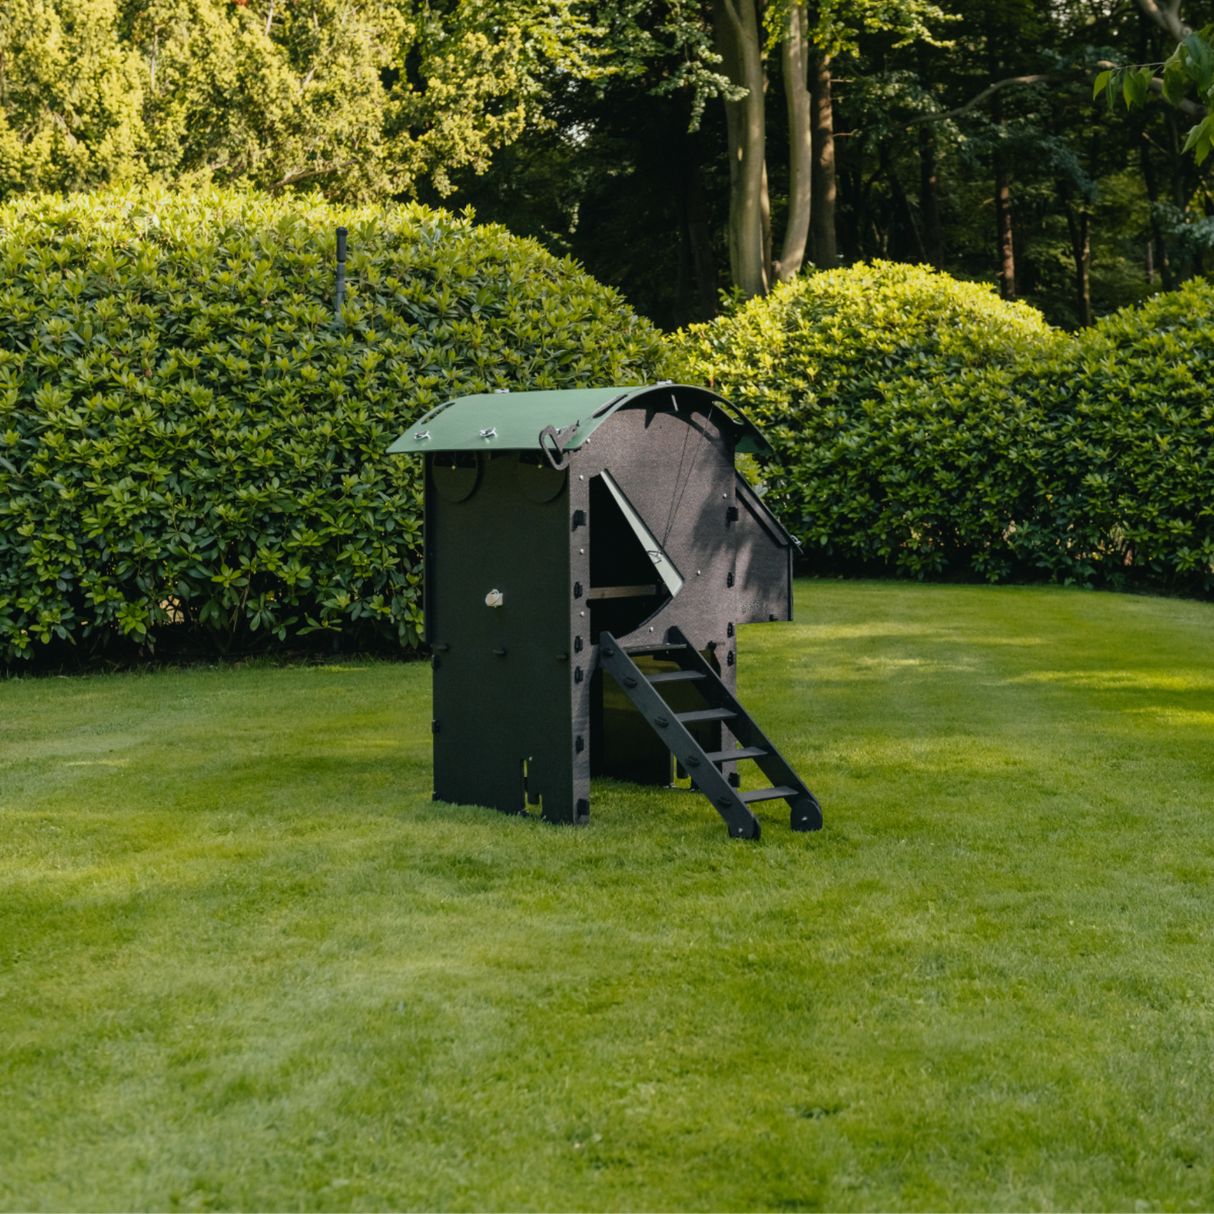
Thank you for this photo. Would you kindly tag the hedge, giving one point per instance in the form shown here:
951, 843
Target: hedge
190, 443
1126, 482
925, 428
840, 338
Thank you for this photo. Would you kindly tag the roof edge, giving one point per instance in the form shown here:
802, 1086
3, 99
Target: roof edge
573, 423
748, 438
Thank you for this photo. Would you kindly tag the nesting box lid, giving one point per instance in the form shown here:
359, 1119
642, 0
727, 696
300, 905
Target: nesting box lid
513, 421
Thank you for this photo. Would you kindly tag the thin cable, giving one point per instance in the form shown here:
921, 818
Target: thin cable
673, 500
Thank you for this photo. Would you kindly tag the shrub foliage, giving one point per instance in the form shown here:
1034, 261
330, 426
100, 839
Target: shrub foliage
188, 438
839, 338
925, 428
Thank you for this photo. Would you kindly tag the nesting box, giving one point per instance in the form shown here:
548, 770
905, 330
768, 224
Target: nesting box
589, 556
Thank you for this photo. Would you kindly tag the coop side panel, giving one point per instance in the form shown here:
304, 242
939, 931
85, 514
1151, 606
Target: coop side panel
675, 465
764, 561
502, 678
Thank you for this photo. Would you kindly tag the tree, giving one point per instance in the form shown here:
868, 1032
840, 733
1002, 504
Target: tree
1189, 68
363, 101
739, 37
809, 35
70, 97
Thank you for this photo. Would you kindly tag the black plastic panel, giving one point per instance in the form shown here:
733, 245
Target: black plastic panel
502, 692
521, 712
764, 562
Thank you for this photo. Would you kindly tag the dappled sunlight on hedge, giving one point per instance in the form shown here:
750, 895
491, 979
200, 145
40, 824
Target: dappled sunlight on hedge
189, 441
925, 428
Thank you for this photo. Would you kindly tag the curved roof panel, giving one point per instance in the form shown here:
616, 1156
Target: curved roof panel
513, 421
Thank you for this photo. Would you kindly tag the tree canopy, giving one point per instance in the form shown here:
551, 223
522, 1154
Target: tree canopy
365, 101
684, 151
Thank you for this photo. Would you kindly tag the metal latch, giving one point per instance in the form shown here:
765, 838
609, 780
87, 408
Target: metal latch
552, 443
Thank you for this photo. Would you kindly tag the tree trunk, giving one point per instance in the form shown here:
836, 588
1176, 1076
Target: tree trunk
1081, 250
1161, 248
851, 219
696, 288
903, 202
1003, 232
699, 231
1084, 263
794, 53
765, 217
739, 43
1003, 217
822, 221
1003, 201
929, 200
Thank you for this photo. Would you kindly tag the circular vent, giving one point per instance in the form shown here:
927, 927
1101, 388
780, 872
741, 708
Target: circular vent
537, 478
455, 474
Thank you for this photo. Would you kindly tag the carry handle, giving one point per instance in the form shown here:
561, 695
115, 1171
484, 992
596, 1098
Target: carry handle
558, 458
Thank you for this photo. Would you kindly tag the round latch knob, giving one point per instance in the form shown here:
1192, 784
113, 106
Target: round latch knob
494, 598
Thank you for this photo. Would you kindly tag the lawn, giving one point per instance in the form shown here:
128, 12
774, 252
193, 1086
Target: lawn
245, 962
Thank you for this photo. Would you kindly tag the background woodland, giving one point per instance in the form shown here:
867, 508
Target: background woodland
681, 152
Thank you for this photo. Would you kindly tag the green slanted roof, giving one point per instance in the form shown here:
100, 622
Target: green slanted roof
512, 421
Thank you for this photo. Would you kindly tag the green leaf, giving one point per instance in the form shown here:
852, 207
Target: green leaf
1135, 85
1198, 133
1175, 81
1199, 62
1101, 80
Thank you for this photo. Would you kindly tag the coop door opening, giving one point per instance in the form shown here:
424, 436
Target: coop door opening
631, 574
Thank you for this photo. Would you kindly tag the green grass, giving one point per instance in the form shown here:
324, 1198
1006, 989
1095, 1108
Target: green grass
246, 962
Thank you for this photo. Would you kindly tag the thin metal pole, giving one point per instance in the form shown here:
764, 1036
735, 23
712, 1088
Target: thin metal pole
341, 274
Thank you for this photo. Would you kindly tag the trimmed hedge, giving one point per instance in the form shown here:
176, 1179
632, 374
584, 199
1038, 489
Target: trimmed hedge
1126, 480
842, 337
925, 428
187, 439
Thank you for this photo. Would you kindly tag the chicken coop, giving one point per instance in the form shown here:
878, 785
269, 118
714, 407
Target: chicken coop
589, 557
